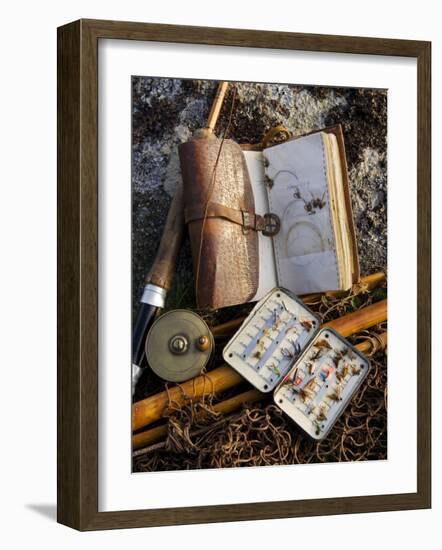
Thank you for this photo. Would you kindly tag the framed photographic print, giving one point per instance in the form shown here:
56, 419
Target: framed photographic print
233, 206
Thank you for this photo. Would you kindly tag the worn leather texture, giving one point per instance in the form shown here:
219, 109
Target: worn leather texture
229, 261
244, 218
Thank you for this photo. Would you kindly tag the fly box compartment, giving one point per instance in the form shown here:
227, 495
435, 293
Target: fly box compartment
271, 339
321, 383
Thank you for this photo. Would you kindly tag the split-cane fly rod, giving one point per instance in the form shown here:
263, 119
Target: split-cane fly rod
159, 279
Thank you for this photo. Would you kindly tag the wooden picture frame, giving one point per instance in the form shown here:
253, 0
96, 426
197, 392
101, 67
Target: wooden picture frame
78, 274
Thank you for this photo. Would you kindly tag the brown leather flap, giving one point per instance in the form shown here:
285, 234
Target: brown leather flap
229, 260
269, 224
215, 210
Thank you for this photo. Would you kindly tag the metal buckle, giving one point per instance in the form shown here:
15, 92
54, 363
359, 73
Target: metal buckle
272, 225
269, 224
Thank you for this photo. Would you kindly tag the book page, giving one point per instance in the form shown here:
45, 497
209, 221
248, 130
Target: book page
305, 247
267, 268
345, 257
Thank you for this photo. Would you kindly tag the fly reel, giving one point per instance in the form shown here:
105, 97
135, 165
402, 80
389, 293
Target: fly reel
179, 345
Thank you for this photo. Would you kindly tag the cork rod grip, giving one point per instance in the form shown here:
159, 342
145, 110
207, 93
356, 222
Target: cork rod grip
163, 268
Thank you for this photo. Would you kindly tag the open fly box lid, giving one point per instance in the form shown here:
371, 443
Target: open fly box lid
271, 338
322, 382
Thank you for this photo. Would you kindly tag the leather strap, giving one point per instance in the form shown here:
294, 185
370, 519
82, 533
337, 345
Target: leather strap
270, 136
269, 224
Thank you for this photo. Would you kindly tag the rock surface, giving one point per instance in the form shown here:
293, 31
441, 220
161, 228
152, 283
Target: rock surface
166, 112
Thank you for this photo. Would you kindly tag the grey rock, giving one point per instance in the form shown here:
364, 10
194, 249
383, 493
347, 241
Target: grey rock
377, 199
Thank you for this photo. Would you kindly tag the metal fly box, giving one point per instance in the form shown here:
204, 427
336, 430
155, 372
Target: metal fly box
321, 383
271, 339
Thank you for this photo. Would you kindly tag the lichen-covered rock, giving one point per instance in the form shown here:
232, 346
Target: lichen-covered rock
167, 111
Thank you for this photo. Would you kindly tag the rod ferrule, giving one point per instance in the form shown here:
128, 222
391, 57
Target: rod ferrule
154, 295
136, 373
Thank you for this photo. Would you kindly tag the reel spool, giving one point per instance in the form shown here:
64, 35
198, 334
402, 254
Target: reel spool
179, 345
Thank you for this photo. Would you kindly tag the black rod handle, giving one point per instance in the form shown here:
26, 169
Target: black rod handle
143, 322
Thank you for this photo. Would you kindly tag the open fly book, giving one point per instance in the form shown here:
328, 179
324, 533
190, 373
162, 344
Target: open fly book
280, 216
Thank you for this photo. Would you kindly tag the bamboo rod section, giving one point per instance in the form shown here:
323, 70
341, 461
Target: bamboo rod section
373, 344
152, 408
366, 283
369, 282
148, 437
153, 435
228, 327
367, 317
222, 378
143, 439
